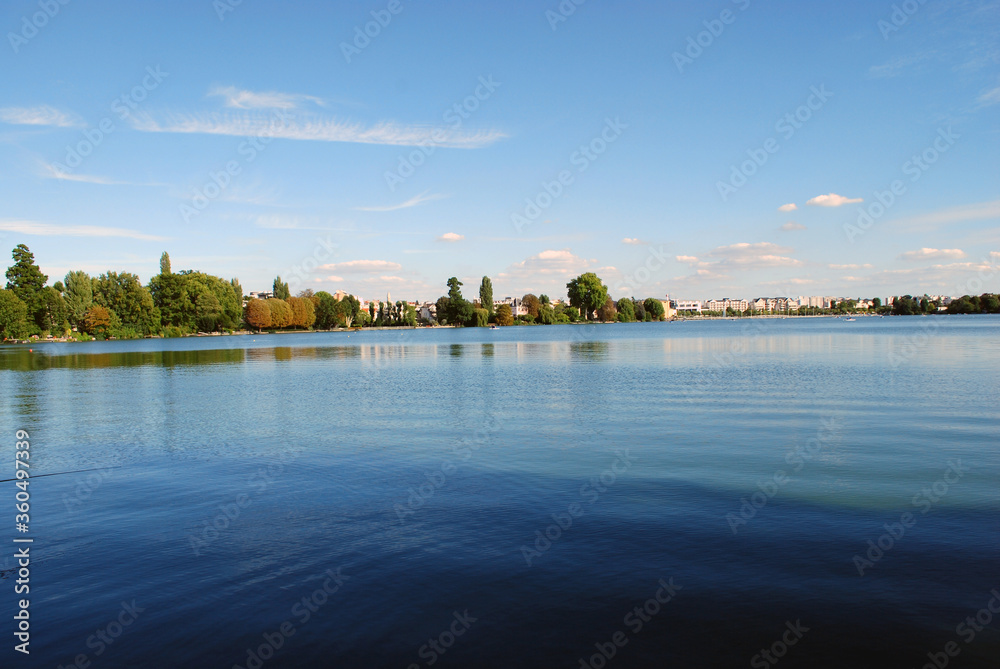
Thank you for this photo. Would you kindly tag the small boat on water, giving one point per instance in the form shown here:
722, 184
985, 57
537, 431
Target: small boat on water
849, 320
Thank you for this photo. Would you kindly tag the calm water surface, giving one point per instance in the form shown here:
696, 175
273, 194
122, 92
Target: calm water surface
335, 500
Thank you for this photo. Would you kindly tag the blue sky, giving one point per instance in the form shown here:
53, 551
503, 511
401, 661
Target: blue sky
728, 148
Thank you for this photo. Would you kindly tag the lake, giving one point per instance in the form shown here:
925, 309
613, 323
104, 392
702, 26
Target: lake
803, 492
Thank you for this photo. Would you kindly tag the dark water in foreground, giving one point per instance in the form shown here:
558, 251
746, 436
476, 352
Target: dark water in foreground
346, 500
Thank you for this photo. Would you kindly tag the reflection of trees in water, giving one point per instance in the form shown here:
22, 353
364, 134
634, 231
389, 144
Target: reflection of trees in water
589, 350
22, 360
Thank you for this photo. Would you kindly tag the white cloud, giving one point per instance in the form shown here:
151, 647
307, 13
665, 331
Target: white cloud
244, 99
634, 241
832, 200
792, 225
284, 125
687, 260
412, 202
851, 266
750, 256
51, 230
41, 115
990, 97
791, 206
362, 267
451, 237
933, 254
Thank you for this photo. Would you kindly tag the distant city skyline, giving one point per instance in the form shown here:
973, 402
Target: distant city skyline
661, 147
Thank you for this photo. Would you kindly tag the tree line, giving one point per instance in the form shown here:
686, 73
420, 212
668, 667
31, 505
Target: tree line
588, 301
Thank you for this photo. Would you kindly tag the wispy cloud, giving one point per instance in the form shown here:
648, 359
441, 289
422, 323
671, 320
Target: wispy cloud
362, 267
933, 254
52, 230
41, 115
896, 65
832, 200
943, 217
792, 225
451, 237
990, 97
53, 172
634, 241
316, 129
851, 266
244, 99
412, 202
791, 206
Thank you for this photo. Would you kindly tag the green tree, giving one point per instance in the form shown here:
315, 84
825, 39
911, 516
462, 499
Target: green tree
532, 304
877, 303
13, 316
989, 303
410, 316
280, 288
54, 313
165, 263
587, 293
326, 311
504, 315
639, 309
209, 311
126, 297
486, 294
26, 280
544, 299
170, 295
460, 310
441, 308
654, 308
79, 295
481, 318
626, 310
546, 314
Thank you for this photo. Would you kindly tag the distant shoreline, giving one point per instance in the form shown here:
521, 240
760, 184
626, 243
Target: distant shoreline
348, 331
